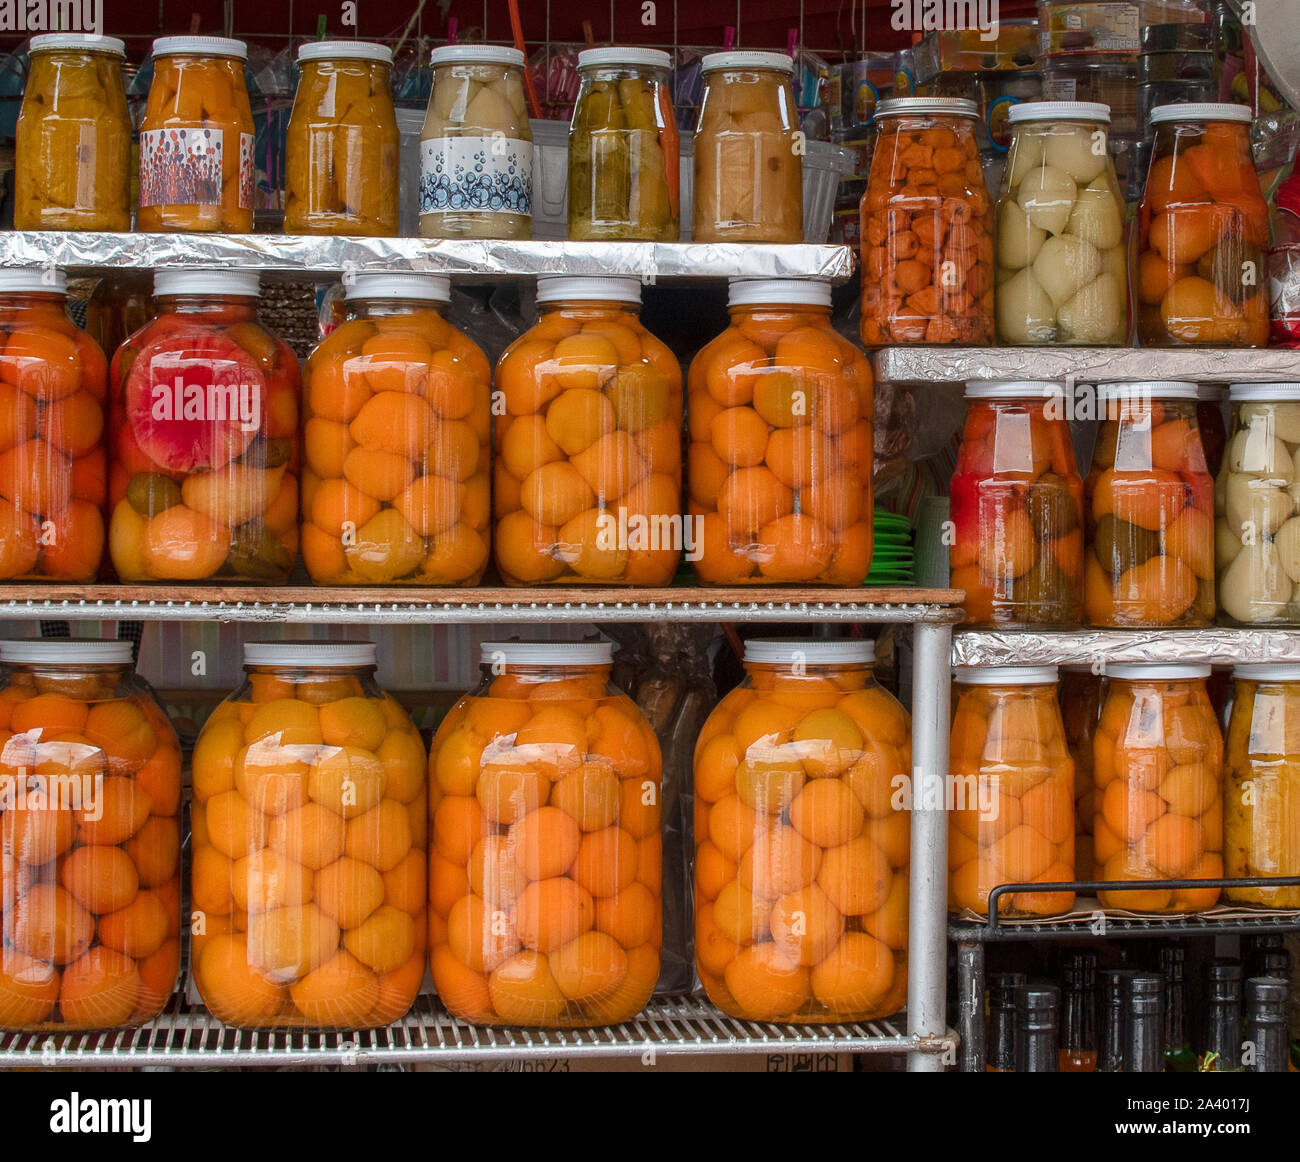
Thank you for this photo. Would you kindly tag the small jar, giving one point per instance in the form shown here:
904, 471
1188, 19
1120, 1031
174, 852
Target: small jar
1012, 814
588, 465
203, 467
927, 228
545, 875
476, 147
1257, 534
91, 836
1061, 272
748, 163
342, 144
1017, 508
53, 395
1158, 770
780, 454
396, 441
1149, 500
197, 172
72, 152
310, 822
1203, 233
802, 835
1081, 695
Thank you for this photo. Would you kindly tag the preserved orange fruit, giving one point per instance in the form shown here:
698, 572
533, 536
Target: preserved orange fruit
90, 794
544, 879
310, 818
802, 836
1081, 696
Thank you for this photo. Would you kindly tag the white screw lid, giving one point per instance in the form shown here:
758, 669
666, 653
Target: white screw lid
1059, 111
1139, 671
395, 284
66, 651
1017, 389
651, 58
553, 288
1202, 111
1267, 673
77, 42
814, 652
1263, 392
744, 59
546, 653
1004, 675
476, 54
33, 280
809, 292
1148, 389
200, 46
207, 282
923, 106
310, 654
352, 50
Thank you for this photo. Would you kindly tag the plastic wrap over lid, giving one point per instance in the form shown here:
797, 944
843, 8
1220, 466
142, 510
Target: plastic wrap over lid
546, 653
1005, 675
69, 651
816, 652
309, 655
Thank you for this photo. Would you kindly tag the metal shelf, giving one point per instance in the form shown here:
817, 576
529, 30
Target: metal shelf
1104, 646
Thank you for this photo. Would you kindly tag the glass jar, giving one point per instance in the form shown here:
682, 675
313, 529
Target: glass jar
748, 184
203, 437
396, 441
802, 838
1149, 500
1257, 534
196, 140
120, 304
72, 153
1203, 233
53, 391
588, 465
476, 147
780, 455
927, 228
624, 148
1081, 696
91, 776
310, 821
1017, 508
545, 876
1261, 826
1012, 815
342, 144
1061, 270
1157, 762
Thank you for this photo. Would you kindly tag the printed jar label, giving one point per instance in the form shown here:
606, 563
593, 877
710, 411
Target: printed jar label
492, 175
182, 167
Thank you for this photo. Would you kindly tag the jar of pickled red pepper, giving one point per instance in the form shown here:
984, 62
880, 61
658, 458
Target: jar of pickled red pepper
196, 140
396, 480
310, 821
1012, 816
802, 838
53, 393
1158, 771
342, 143
624, 149
1081, 694
780, 455
927, 228
1149, 500
1203, 233
1017, 508
90, 773
203, 438
748, 184
72, 152
1061, 271
545, 891
476, 147
588, 462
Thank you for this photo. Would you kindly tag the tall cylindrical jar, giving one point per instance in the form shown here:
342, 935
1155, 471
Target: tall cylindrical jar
1081, 694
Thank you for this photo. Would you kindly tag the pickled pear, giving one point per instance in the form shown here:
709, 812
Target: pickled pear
1255, 449
1064, 264
1025, 311
1096, 314
1255, 587
451, 97
515, 97
1096, 216
1047, 196
1226, 545
1019, 240
1255, 509
1285, 418
1026, 156
1287, 543
488, 110
1079, 151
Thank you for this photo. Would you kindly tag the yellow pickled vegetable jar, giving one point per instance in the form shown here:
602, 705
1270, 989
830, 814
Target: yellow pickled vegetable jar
342, 146
196, 140
73, 145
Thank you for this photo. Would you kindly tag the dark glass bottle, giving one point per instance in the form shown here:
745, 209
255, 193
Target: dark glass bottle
1220, 1050
1002, 1021
1078, 1051
1144, 1032
1266, 998
1114, 993
1266, 956
1037, 1010
1179, 1057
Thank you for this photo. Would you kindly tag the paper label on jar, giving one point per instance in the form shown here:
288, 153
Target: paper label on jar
182, 167
478, 175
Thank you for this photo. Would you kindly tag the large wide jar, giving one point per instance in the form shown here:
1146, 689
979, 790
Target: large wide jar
396, 441
342, 143
802, 836
1149, 503
1203, 233
545, 891
1012, 800
927, 228
1257, 532
780, 456
1062, 274
90, 834
588, 465
748, 160
1080, 695
476, 147
308, 869
196, 140
53, 394
1017, 508
1261, 784
203, 437
624, 148
72, 153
